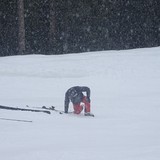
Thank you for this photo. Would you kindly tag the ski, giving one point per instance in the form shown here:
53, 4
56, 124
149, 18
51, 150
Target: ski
24, 109
44, 108
52, 108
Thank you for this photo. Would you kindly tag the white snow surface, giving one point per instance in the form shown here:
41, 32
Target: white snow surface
125, 98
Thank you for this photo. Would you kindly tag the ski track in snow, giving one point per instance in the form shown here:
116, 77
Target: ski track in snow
125, 90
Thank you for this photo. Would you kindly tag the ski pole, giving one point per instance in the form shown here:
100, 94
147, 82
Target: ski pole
18, 120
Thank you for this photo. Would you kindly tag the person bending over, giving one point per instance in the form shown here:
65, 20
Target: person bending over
79, 100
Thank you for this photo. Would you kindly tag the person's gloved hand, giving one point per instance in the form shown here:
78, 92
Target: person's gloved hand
88, 99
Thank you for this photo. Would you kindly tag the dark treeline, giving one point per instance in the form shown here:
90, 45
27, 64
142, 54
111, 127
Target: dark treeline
70, 26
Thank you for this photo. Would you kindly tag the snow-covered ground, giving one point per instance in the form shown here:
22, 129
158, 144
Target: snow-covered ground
125, 98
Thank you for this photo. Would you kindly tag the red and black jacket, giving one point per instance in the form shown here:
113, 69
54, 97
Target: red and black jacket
75, 95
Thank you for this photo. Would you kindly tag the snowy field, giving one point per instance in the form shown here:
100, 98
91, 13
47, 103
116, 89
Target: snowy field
125, 98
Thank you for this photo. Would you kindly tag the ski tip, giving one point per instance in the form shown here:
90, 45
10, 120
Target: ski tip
48, 112
89, 114
52, 107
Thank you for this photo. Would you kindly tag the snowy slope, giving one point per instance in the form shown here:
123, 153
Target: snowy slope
125, 90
